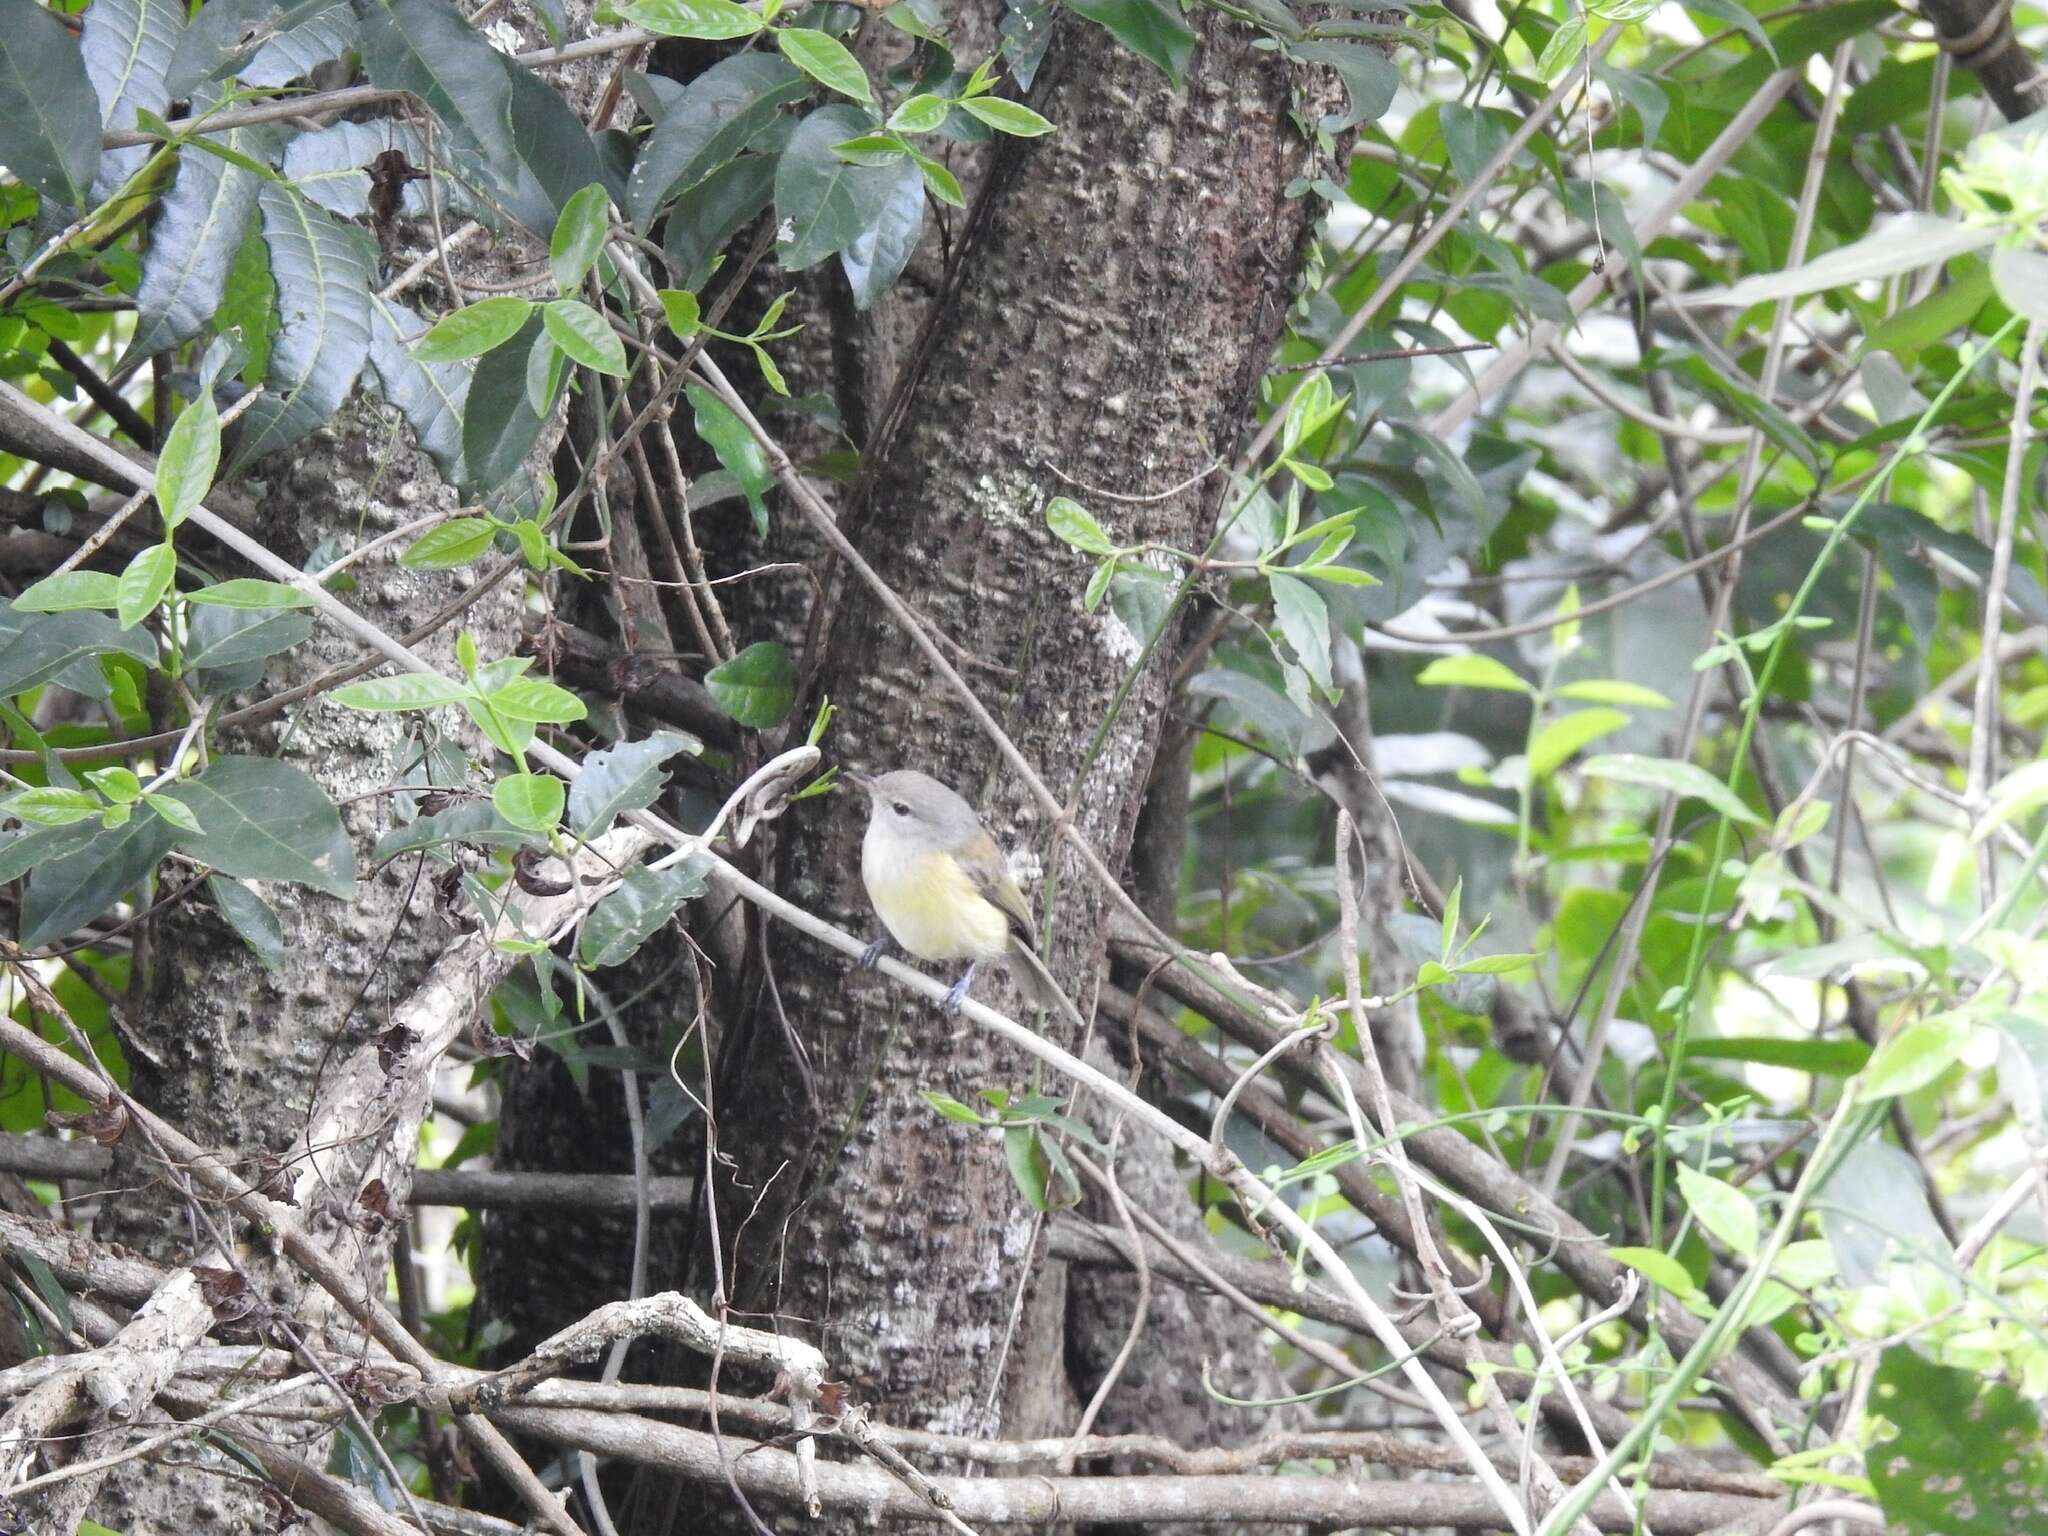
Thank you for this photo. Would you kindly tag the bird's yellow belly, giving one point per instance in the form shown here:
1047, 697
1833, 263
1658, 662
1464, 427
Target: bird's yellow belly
933, 910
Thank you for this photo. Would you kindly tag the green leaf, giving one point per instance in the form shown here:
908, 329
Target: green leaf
1338, 575
876, 257
52, 806
1722, 1209
710, 21
250, 916
1099, 583
1969, 1458
1563, 49
1370, 80
127, 47
247, 592
1659, 1268
1299, 610
326, 270
262, 819
1601, 690
191, 454
50, 646
68, 591
1072, 524
431, 396
1914, 1056
535, 698
500, 426
428, 48
736, 448
456, 542
472, 330
821, 201
682, 311
195, 237
704, 219
629, 916
224, 638
173, 811
922, 113
1673, 777
1147, 28
1905, 242
579, 236
468, 821
826, 60
1472, 672
408, 690
1011, 117
757, 687
1833, 1058
1560, 739
719, 114
49, 118
627, 777
531, 801
585, 335
143, 584
88, 870
953, 1109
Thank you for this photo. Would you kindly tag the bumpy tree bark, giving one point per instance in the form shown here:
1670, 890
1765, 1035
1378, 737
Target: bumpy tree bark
232, 1053
1124, 283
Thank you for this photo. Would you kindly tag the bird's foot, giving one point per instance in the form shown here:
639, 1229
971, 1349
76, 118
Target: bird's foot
872, 955
951, 1006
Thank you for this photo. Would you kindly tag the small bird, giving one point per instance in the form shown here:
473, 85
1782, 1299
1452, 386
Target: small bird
942, 887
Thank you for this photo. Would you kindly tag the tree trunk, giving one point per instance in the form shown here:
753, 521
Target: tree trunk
899, 1238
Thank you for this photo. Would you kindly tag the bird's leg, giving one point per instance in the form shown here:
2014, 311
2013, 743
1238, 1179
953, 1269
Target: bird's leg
951, 1006
872, 954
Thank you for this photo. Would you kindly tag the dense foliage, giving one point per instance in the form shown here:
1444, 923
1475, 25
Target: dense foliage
1633, 561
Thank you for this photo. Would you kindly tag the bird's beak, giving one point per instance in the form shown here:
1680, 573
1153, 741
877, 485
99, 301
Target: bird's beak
859, 781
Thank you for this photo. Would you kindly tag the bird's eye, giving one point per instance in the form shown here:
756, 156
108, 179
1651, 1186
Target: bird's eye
899, 808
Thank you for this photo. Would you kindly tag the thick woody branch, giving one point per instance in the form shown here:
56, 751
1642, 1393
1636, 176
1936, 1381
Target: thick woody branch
871, 1494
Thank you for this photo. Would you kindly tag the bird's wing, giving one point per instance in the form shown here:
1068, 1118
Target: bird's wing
990, 873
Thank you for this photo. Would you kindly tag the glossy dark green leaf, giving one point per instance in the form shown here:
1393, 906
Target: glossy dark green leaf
265, 820
822, 203
876, 257
86, 870
127, 46
757, 687
627, 777
1027, 30
427, 48
627, 917
251, 917
233, 638
705, 218
194, 239
305, 36
49, 120
553, 156
49, 644
500, 425
1146, 27
430, 396
716, 117
323, 272
235, 38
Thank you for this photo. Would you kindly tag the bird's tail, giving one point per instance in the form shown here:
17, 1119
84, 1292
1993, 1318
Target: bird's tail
1036, 986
